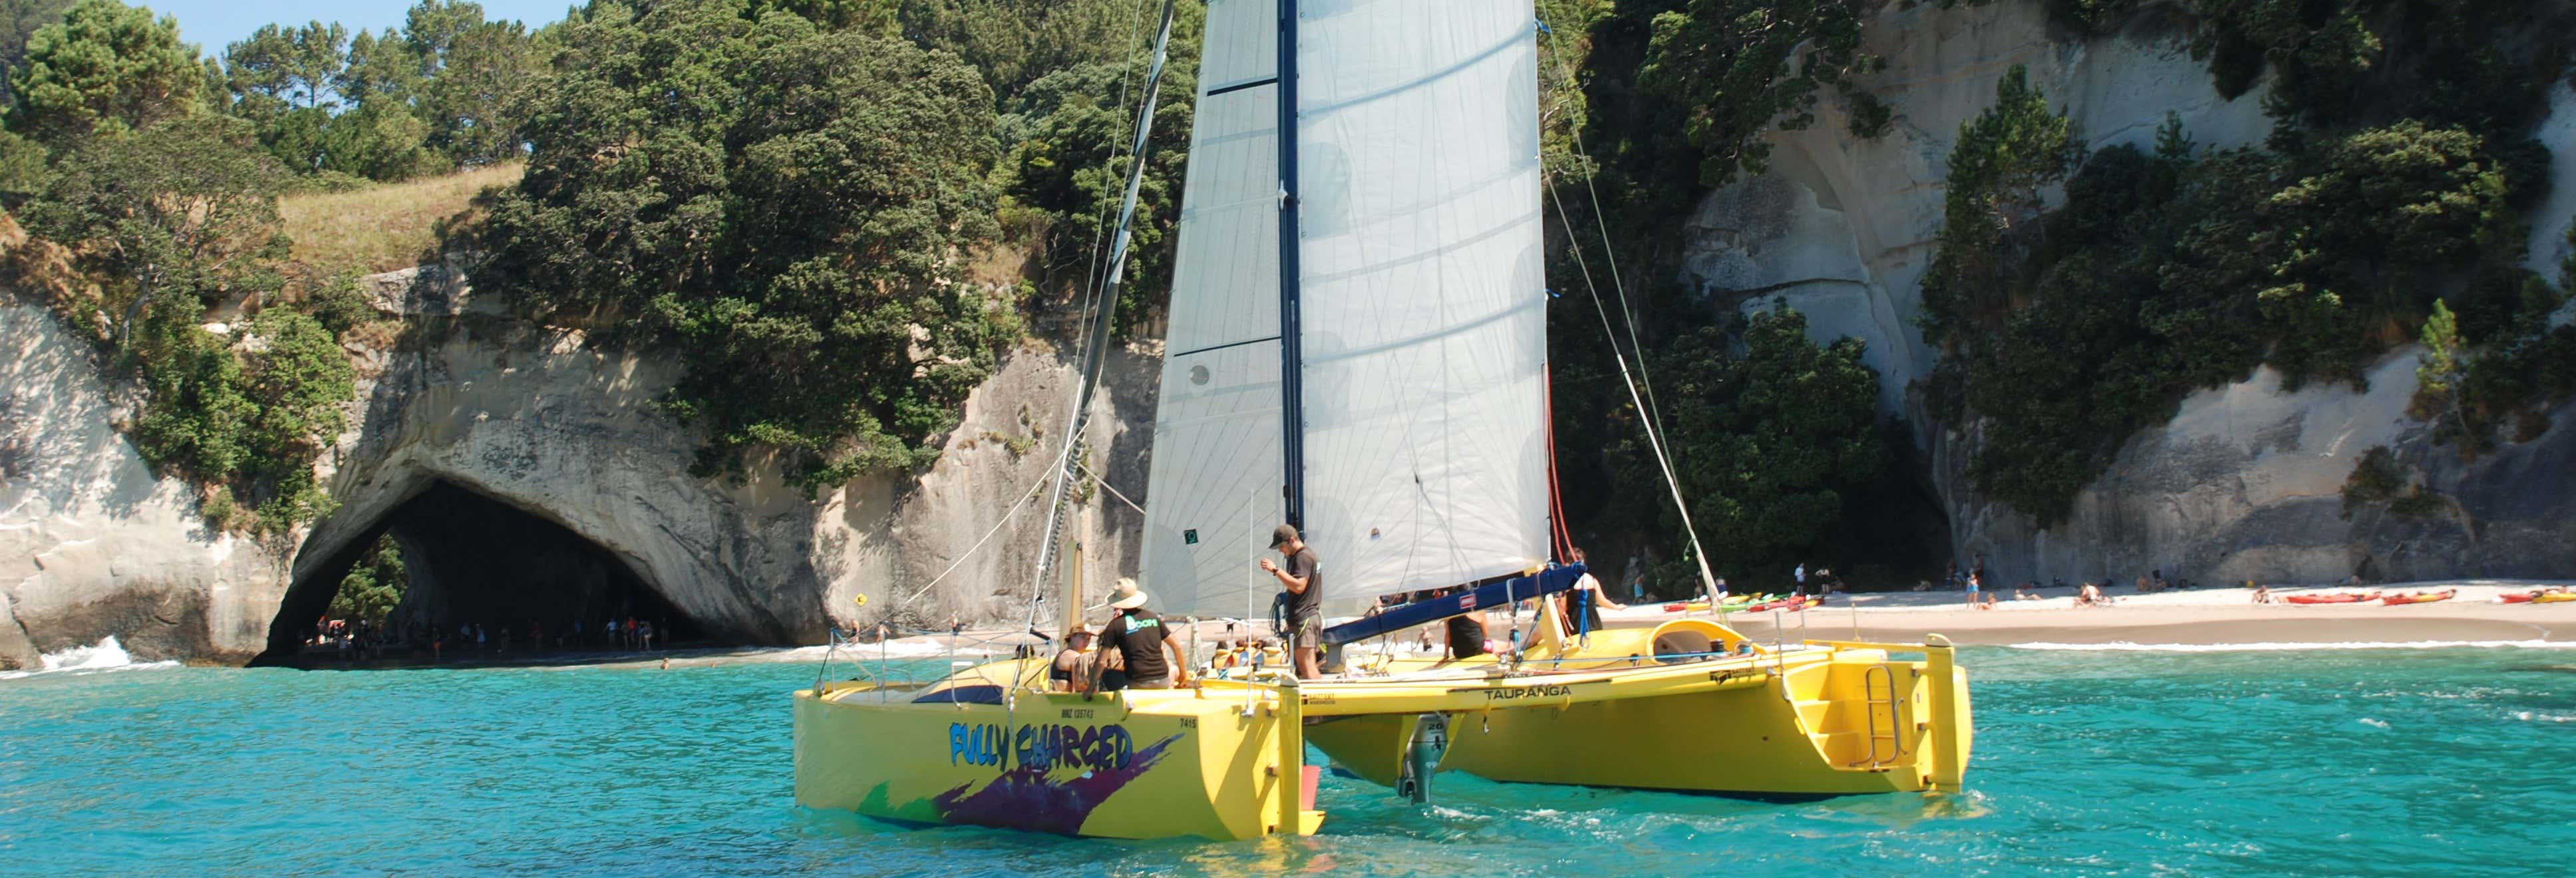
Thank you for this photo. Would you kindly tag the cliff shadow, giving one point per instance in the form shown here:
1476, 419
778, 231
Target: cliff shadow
487, 581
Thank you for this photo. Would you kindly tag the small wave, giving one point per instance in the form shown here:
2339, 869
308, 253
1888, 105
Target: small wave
893, 649
103, 656
2125, 646
2374, 723
2531, 717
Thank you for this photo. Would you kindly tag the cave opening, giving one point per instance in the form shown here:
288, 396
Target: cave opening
481, 580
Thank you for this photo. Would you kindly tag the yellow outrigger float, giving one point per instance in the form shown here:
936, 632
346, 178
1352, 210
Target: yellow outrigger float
1676, 707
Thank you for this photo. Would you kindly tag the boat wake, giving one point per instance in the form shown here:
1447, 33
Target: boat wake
2125, 646
104, 656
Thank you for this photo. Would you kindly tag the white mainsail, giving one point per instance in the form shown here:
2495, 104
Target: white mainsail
1420, 304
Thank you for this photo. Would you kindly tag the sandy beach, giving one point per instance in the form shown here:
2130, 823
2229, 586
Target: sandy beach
2206, 616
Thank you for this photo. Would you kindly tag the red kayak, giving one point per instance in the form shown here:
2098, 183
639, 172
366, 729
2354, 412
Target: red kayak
2421, 597
2522, 598
2344, 598
1789, 604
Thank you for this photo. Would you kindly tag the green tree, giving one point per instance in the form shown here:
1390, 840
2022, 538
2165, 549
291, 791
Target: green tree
1016, 42
786, 207
375, 585
1065, 130
172, 220
184, 211
1738, 66
2000, 163
19, 21
1766, 443
2439, 370
106, 65
471, 74
297, 378
283, 68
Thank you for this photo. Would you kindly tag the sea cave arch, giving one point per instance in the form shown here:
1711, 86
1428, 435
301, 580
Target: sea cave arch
472, 559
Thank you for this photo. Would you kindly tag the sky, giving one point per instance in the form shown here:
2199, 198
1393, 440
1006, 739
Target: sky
214, 24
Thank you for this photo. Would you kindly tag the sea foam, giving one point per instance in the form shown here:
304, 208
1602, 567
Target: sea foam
2125, 646
105, 655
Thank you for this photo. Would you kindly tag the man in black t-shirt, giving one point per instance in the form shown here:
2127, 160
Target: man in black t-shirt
1140, 637
1305, 598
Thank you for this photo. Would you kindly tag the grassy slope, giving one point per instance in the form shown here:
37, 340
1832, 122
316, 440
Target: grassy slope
387, 227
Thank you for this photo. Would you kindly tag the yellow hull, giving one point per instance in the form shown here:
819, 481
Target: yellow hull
1133, 764
1848, 720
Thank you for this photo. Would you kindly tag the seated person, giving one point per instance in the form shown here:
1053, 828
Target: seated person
1467, 635
1071, 670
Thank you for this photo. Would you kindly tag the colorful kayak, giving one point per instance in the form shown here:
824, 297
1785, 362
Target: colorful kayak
2343, 598
2421, 597
2517, 598
2553, 597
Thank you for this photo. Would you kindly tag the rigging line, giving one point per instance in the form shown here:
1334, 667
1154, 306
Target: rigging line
1609, 254
1091, 272
1104, 485
1025, 497
1654, 439
1078, 417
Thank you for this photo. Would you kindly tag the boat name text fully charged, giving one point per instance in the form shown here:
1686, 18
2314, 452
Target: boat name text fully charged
1042, 747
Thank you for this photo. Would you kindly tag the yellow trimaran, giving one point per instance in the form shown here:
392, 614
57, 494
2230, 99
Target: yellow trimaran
1368, 289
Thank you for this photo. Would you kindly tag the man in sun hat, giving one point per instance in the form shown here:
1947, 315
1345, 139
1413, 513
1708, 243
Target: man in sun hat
1140, 637
1305, 597
1070, 672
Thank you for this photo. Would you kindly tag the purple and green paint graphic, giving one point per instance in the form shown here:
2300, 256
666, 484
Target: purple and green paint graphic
1024, 797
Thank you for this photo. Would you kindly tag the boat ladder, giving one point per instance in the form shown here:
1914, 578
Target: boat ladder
1873, 701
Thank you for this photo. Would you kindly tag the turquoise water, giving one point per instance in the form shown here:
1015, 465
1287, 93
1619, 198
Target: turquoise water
2454, 761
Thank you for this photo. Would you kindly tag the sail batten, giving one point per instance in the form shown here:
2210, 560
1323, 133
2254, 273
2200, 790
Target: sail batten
1406, 358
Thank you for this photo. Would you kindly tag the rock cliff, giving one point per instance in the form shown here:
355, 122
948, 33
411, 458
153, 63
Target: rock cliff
519, 466
2245, 482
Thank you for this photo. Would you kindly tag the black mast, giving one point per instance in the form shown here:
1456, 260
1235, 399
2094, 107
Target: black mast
1292, 383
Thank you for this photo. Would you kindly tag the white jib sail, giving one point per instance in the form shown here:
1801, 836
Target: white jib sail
1217, 460
1421, 300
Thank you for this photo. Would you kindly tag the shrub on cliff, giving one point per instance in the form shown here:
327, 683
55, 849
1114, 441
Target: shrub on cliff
2178, 270
1766, 444
786, 208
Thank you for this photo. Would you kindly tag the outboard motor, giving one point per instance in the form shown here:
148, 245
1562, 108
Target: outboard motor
1422, 756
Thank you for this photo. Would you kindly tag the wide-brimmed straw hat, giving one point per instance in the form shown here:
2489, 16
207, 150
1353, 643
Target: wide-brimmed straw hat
1126, 596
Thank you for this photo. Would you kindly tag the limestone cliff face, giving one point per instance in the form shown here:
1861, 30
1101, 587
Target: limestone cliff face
91, 542
546, 426
2245, 482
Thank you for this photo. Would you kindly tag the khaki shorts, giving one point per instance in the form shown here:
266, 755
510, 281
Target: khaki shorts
1307, 633
1164, 683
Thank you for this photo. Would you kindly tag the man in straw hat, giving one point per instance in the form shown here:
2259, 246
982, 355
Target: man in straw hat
1071, 672
1140, 637
1305, 598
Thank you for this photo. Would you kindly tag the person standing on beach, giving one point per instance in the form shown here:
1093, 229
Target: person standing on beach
1304, 583
1800, 576
1975, 582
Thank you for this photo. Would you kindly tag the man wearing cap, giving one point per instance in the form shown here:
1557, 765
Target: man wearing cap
1305, 598
1140, 637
